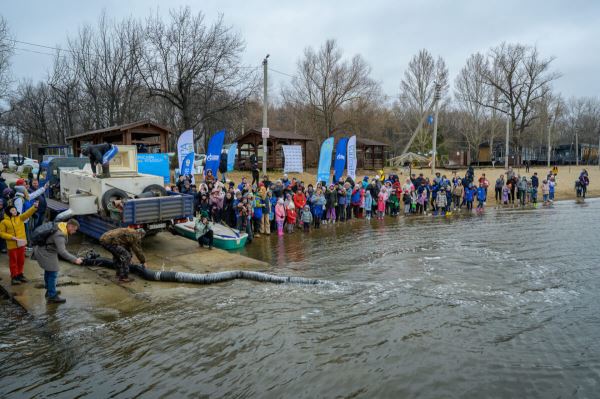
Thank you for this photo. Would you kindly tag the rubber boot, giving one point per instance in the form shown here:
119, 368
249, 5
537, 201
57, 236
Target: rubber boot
56, 299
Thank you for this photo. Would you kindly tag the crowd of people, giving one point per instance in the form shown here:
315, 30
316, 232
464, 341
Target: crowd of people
284, 205
264, 207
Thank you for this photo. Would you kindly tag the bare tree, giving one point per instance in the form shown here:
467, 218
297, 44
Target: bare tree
417, 91
106, 64
325, 83
470, 93
195, 67
521, 77
65, 94
29, 112
6, 51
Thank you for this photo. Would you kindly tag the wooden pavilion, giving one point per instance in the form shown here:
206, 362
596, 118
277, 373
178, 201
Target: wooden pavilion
370, 154
147, 135
251, 143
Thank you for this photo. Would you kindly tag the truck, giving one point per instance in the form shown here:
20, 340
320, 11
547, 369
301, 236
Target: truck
146, 203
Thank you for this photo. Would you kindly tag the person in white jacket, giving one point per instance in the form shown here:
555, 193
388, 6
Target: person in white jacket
21, 194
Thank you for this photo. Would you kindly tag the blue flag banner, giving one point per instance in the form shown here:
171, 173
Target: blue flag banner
231, 153
340, 159
187, 166
213, 155
324, 171
154, 164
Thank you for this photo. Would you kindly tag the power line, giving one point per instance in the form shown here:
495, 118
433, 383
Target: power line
34, 51
282, 73
41, 45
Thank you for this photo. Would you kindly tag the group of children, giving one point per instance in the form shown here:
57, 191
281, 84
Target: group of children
287, 204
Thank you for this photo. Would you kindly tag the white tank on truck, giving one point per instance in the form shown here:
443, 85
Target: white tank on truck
80, 189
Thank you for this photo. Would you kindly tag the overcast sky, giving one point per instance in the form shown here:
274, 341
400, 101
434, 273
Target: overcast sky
386, 33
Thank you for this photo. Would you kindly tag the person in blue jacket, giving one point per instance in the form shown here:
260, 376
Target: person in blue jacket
481, 195
469, 194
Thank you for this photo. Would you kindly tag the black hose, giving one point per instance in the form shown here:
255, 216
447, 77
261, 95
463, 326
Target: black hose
208, 278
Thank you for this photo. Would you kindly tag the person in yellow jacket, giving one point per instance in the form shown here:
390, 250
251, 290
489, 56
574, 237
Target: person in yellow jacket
12, 229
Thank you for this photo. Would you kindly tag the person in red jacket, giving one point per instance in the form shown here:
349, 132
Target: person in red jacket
299, 201
291, 217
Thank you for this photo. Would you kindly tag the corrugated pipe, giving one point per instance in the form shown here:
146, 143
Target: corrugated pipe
208, 278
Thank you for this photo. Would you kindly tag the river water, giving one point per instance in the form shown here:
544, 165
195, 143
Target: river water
499, 305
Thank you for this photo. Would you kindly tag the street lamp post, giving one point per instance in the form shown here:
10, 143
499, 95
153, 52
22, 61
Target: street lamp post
265, 106
507, 143
549, 130
436, 98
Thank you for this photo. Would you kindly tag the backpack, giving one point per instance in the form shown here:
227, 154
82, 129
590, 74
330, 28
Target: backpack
42, 233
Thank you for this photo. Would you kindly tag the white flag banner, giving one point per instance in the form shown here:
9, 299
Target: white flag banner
351, 157
292, 155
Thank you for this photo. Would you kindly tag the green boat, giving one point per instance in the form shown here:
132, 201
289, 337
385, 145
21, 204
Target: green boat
224, 237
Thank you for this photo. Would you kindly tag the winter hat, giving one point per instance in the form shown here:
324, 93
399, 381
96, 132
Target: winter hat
20, 182
7, 192
280, 201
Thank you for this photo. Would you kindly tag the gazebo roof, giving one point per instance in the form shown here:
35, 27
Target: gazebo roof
119, 128
370, 142
277, 134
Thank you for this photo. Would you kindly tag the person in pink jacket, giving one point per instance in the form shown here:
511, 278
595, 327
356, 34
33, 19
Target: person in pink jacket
279, 216
380, 205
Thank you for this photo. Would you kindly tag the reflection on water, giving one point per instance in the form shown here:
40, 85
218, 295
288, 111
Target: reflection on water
502, 305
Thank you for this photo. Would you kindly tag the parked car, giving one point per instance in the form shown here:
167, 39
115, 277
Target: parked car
27, 161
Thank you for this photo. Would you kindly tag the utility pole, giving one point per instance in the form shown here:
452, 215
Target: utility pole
576, 148
549, 146
507, 144
265, 132
436, 98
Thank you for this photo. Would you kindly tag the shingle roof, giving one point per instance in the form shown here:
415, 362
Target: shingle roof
278, 134
119, 128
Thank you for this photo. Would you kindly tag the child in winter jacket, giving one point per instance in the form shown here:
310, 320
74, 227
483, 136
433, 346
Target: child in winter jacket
291, 217
406, 200
280, 215
481, 196
368, 204
469, 195
306, 218
380, 205
441, 200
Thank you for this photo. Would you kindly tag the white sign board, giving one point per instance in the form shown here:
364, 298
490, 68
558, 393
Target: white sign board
265, 132
293, 158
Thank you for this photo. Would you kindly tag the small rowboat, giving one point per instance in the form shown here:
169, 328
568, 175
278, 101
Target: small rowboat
224, 237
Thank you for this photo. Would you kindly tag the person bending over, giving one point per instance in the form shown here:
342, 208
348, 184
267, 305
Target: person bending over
97, 153
121, 243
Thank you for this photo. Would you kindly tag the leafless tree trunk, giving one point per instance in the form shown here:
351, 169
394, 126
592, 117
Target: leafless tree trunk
417, 91
522, 78
195, 67
6, 50
325, 83
471, 92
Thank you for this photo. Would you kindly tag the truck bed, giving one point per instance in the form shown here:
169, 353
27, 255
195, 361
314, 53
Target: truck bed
153, 213
158, 209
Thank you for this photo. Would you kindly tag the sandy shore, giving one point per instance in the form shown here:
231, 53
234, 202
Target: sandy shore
565, 187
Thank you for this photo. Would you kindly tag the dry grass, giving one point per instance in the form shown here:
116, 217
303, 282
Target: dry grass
565, 187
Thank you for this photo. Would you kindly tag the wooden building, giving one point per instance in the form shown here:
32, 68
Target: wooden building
251, 143
371, 154
147, 135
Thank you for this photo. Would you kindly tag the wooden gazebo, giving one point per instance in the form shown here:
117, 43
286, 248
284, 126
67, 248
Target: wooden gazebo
370, 154
145, 134
251, 142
